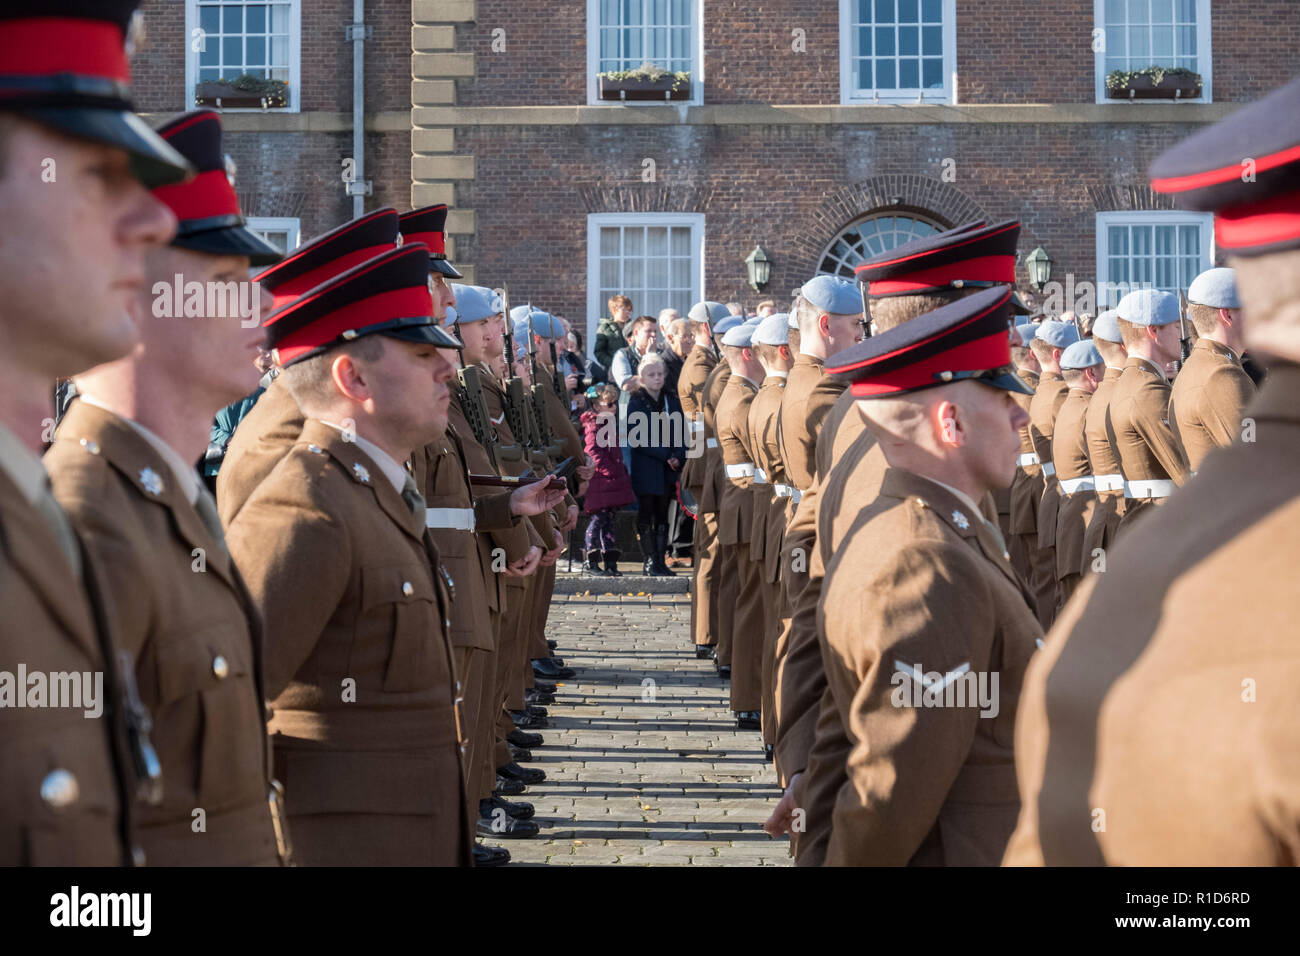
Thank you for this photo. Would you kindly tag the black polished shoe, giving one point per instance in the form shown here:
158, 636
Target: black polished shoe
534, 696
508, 788
501, 826
516, 811
552, 644
533, 710
528, 775
713, 651
526, 721
547, 667
518, 754
488, 856
543, 687
747, 720
724, 671
769, 753
521, 739
703, 651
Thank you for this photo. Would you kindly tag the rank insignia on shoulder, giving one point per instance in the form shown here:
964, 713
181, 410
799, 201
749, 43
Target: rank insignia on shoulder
362, 475
151, 482
960, 520
90, 445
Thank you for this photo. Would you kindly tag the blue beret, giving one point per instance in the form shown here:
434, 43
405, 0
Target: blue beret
1216, 288
833, 294
1149, 307
793, 322
474, 303
449, 319
543, 324
1082, 354
1106, 327
709, 312
740, 335
726, 323
1027, 331
521, 312
773, 330
754, 320
1058, 335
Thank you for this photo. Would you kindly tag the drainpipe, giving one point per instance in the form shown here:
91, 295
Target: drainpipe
358, 187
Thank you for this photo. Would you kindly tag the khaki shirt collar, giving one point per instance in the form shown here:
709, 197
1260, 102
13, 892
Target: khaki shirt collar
187, 477
23, 468
392, 470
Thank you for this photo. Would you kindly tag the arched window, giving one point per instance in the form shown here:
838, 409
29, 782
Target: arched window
871, 236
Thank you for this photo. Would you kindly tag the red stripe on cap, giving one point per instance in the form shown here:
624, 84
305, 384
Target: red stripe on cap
293, 288
1225, 174
1274, 220
436, 241
983, 269
966, 240
992, 351
394, 304
45, 46
207, 194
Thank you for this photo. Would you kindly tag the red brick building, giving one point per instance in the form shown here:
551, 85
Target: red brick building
814, 128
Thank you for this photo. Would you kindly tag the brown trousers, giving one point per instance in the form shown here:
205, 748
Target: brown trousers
747, 632
728, 590
1041, 578
476, 669
706, 581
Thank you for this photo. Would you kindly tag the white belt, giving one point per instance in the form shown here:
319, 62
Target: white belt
1024, 461
745, 470
1049, 469
1071, 485
796, 496
1109, 482
450, 519
1150, 488
710, 443
697, 426
785, 491
760, 476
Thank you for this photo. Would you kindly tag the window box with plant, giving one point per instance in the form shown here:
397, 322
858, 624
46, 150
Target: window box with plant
243, 92
646, 82
1153, 83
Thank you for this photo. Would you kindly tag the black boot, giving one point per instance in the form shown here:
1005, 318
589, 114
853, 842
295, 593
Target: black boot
591, 563
647, 539
661, 541
611, 564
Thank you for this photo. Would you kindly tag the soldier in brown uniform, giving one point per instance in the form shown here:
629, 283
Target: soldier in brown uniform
735, 523
68, 779
122, 467
771, 345
690, 392
1027, 488
1158, 725
272, 425
1212, 389
366, 722
927, 626
1082, 368
710, 502
1051, 339
903, 283
1151, 458
1103, 458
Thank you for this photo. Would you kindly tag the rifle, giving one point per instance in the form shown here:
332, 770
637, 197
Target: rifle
516, 406
1184, 340
865, 322
561, 392
469, 392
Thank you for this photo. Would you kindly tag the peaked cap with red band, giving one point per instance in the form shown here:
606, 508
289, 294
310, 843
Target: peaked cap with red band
964, 340
1246, 169
968, 256
330, 255
427, 225
206, 206
387, 295
64, 64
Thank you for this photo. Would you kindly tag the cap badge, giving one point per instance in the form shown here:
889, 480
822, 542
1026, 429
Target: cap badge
361, 473
960, 521
400, 240
151, 482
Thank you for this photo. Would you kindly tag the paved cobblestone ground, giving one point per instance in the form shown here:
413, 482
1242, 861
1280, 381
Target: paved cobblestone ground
643, 760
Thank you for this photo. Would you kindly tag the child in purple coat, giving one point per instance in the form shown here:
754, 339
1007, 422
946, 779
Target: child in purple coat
610, 486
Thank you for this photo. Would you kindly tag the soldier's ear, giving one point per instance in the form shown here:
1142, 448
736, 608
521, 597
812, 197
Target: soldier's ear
950, 433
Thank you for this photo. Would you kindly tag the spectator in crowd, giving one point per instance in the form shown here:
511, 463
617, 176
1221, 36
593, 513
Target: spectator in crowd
666, 318
610, 334
656, 432
610, 486
228, 419
680, 341
735, 308
642, 339
766, 308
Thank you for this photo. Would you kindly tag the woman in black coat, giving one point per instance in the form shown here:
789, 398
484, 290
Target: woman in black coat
656, 436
